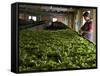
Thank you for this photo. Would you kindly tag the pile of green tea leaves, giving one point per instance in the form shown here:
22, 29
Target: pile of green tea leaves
54, 50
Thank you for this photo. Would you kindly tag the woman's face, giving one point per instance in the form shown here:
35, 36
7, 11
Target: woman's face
86, 18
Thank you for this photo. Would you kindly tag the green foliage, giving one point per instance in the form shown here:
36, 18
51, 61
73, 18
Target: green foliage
52, 50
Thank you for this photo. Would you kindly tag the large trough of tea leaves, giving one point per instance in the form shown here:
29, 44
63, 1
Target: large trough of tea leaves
54, 50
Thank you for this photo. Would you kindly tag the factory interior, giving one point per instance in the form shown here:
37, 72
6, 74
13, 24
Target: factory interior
70, 16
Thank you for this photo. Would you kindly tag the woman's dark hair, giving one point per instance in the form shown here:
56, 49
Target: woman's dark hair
86, 14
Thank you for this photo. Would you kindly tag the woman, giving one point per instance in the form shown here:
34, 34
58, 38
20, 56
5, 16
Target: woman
87, 28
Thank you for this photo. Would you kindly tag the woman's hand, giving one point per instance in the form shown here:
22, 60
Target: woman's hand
80, 31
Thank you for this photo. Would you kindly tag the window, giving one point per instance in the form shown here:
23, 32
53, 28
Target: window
30, 17
34, 18
54, 19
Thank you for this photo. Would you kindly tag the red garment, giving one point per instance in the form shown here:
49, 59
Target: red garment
88, 26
